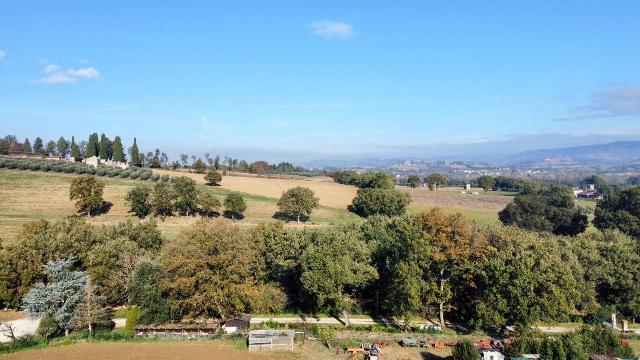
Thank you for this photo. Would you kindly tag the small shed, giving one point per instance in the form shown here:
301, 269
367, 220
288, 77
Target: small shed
260, 340
240, 323
491, 354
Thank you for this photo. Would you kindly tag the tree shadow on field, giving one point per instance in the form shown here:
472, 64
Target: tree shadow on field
104, 208
284, 217
233, 216
429, 356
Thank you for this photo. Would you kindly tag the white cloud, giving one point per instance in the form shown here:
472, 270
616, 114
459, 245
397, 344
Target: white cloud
331, 29
2, 55
56, 75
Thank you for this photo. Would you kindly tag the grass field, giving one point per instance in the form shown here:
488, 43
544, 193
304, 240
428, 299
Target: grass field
330, 193
481, 208
29, 195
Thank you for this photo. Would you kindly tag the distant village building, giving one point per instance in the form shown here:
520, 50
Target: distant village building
95, 161
587, 191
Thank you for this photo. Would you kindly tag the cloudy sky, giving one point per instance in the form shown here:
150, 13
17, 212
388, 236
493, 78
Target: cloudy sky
292, 80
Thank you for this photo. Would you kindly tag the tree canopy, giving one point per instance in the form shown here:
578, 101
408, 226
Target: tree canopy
298, 203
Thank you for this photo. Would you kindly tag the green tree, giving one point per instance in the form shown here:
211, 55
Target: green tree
434, 181
103, 147
486, 182
75, 150
91, 311
209, 204
298, 202
334, 265
379, 180
38, 147
87, 191
464, 350
600, 183
550, 209
144, 291
63, 147
574, 349
234, 205
389, 202
212, 271
185, 192
162, 200
213, 178
135, 154
118, 151
138, 198
414, 181
51, 149
620, 210
60, 296
457, 248
93, 147
199, 166
26, 147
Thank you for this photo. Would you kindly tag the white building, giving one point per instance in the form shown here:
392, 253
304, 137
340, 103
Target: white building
491, 354
95, 161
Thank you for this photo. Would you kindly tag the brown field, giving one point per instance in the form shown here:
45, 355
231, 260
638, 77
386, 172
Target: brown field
144, 351
29, 195
8, 315
330, 193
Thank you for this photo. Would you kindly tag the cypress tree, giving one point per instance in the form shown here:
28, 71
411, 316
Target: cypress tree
92, 145
103, 147
75, 150
63, 147
135, 154
38, 146
118, 152
26, 147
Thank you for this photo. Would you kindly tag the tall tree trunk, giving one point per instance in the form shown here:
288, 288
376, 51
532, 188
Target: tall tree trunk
441, 304
347, 322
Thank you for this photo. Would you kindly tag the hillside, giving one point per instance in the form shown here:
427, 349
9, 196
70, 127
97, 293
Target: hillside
29, 195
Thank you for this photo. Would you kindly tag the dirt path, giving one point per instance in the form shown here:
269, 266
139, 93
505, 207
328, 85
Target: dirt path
144, 351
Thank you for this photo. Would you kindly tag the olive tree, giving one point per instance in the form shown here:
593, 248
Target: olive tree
87, 191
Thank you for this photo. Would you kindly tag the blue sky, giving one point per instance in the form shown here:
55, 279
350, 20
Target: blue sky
291, 80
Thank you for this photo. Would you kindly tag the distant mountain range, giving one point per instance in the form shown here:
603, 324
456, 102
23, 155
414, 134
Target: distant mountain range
601, 155
611, 154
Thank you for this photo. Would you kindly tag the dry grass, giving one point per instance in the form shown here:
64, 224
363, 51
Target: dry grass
145, 351
330, 193
26, 196
8, 315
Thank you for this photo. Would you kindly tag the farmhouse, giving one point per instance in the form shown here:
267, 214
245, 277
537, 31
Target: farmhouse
260, 340
95, 161
491, 354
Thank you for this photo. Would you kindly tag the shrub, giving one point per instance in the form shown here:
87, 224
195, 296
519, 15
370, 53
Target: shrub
101, 171
3, 164
164, 178
11, 165
79, 169
91, 170
114, 172
125, 174
68, 169
45, 167
34, 166
464, 350
155, 177
134, 175
23, 165
48, 327
132, 321
145, 175
56, 168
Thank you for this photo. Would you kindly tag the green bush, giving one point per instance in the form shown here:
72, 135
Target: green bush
125, 174
91, 170
48, 327
56, 168
101, 171
155, 177
114, 172
79, 169
34, 166
132, 321
164, 178
145, 175
45, 167
134, 175
23, 165
68, 169
11, 165
3, 164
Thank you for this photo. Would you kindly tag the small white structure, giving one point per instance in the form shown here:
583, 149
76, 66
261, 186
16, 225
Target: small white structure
467, 186
95, 161
260, 340
491, 354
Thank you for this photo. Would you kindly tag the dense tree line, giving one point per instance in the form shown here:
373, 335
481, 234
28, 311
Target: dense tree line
429, 264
